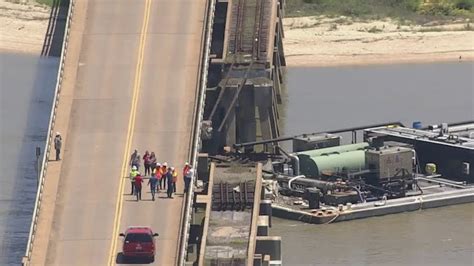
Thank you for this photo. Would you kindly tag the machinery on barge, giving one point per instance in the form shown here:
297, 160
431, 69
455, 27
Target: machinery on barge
392, 162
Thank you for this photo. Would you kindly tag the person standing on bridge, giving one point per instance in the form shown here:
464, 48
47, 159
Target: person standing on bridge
152, 163
138, 186
158, 175
146, 163
58, 143
135, 160
164, 171
188, 177
175, 178
133, 174
153, 181
169, 179
186, 169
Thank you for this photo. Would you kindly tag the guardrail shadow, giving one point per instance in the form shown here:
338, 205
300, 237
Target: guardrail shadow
53, 39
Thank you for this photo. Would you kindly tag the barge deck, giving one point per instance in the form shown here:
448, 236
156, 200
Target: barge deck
436, 193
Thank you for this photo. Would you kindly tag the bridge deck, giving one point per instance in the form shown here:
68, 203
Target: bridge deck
120, 51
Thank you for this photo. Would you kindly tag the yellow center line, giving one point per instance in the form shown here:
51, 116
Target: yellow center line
128, 143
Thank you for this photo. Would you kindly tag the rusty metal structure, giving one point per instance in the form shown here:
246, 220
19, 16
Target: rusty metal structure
233, 196
245, 73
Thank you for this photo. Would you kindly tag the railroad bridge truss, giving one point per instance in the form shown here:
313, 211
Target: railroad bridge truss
245, 73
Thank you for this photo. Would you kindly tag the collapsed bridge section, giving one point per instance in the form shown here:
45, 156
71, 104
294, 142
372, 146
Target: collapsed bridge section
245, 73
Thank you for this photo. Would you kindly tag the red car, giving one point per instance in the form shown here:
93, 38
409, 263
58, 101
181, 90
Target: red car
139, 242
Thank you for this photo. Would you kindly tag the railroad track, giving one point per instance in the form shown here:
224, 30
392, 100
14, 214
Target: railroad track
249, 28
238, 26
259, 11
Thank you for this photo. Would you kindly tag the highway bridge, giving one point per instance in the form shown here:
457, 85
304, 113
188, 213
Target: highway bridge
129, 81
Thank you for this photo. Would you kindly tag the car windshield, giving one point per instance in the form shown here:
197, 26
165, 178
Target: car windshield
141, 238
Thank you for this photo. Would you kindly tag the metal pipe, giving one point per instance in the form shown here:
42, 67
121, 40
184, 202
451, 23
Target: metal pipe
308, 182
358, 193
275, 140
457, 124
296, 163
447, 183
293, 179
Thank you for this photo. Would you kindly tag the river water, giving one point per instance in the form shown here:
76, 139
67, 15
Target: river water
27, 84
332, 98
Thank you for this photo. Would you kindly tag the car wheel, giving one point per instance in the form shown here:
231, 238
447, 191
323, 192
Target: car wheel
152, 258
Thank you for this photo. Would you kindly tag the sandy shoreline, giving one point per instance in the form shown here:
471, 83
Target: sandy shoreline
321, 41
309, 41
23, 26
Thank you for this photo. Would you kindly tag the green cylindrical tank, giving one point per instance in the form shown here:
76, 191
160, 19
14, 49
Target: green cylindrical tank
335, 149
346, 161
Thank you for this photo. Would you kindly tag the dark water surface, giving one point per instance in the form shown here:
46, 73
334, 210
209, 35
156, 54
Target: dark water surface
26, 90
331, 98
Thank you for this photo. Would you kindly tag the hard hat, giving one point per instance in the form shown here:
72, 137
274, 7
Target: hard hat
186, 163
165, 164
134, 168
172, 168
57, 133
158, 164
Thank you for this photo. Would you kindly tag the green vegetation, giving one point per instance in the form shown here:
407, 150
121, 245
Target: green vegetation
415, 10
45, 2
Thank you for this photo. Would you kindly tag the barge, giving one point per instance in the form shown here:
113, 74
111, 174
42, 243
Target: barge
436, 194
393, 169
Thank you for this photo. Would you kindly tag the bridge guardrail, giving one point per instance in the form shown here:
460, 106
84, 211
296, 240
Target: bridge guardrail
196, 135
44, 165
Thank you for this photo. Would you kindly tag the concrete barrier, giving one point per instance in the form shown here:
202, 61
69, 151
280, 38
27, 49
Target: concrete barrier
44, 166
196, 134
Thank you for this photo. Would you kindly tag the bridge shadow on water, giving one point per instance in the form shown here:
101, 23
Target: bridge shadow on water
28, 88
121, 259
53, 39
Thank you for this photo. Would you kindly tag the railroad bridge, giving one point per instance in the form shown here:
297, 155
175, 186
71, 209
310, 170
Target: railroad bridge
245, 73
242, 100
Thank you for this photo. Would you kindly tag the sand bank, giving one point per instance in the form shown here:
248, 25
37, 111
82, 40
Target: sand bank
322, 41
23, 26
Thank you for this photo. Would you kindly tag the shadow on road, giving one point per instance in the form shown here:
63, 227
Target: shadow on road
121, 259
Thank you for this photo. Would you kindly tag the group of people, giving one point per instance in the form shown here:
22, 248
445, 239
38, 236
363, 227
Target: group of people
161, 176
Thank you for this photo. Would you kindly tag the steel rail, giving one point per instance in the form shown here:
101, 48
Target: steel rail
256, 29
238, 32
44, 166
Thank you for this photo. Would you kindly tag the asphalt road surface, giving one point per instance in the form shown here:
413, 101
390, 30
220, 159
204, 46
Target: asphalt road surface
135, 88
